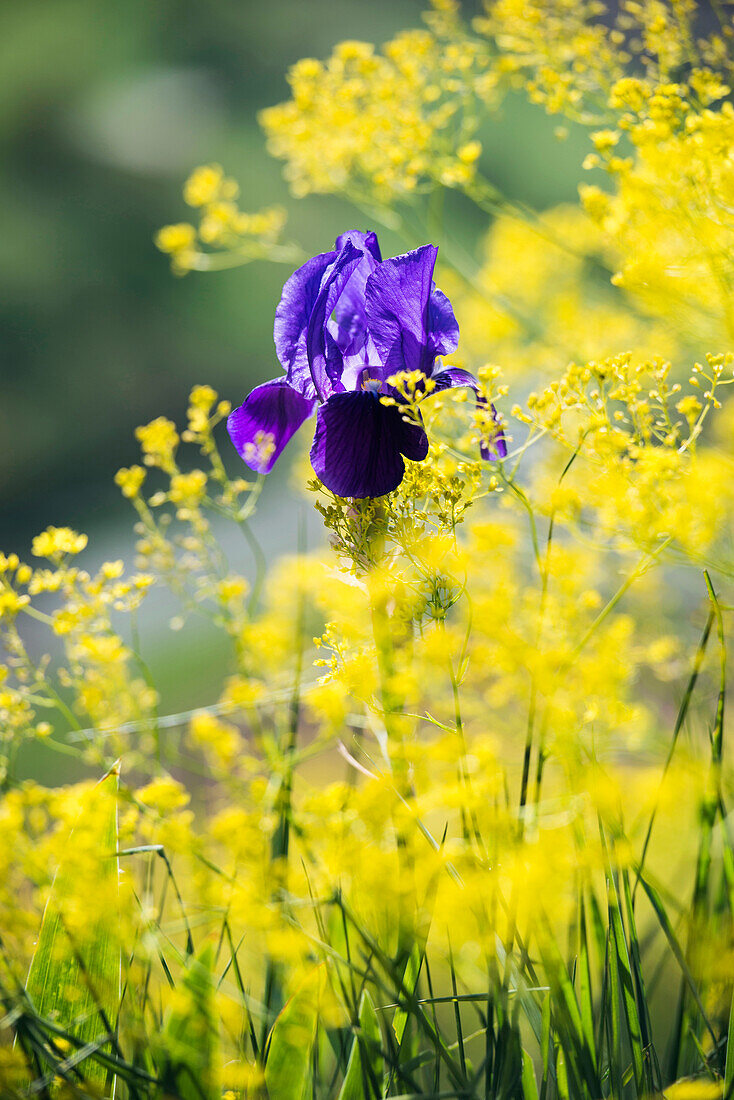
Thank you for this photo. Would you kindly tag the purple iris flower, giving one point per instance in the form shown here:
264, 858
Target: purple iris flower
346, 322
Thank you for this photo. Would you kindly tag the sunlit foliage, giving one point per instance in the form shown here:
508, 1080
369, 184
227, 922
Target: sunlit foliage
457, 823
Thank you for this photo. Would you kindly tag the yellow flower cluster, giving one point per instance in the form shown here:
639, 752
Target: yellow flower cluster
561, 53
223, 228
646, 479
542, 296
56, 542
444, 658
99, 682
670, 213
382, 125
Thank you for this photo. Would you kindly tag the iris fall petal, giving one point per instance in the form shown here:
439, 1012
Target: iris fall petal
359, 445
265, 421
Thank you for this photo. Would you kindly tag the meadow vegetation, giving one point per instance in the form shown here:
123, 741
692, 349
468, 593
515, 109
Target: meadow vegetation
458, 823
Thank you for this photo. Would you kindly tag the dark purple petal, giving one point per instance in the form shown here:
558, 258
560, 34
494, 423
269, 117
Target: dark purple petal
273, 412
396, 303
359, 442
443, 328
291, 320
366, 242
455, 376
333, 363
332, 286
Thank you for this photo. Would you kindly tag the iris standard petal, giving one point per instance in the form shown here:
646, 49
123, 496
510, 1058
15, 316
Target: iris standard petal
455, 376
367, 242
350, 322
291, 320
265, 421
397, 306
443, 328
332, 286
359, 443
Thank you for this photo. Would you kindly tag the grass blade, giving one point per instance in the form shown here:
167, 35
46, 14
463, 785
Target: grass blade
287, 1066
187, 1048
364, 1069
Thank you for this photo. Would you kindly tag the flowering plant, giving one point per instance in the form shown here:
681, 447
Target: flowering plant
347, 324
456, 823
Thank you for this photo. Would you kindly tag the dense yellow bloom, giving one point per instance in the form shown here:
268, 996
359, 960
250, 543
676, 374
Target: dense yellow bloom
130, 480
158, 440
57, 542
383, 124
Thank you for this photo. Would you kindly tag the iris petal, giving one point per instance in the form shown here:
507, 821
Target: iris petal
291, 320
443, 328
350, 328
265, 421
397, 306
332, 287
359, 443
366, 242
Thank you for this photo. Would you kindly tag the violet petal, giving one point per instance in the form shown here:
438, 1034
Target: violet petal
359, 442
350, 328
396, 304
443, 328
366, 242
291, 320
275, 409
332, 286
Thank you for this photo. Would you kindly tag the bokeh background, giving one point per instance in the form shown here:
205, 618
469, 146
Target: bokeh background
104, 110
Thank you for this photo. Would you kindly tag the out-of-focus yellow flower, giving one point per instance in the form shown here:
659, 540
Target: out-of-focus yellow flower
57, 542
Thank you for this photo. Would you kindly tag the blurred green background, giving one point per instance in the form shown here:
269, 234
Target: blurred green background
104, 109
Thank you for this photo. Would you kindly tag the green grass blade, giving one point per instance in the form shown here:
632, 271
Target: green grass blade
584, 976
287, 1066
680, 719
729, 1068
651, 1068
579, 1064
529, 1084
186, 1052
562, 1077
664, 921
620, 961
546, 1045
410, 982
365, 1066
613, 1018
74, 978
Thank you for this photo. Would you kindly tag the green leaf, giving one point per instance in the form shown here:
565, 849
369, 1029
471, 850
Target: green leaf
287, 1068
586, 1004
562, 1076
365, 1066
74, 976
186, 1051
652, 1084
529, 1084
729, 1068
621, 962
667, 927
410, 981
